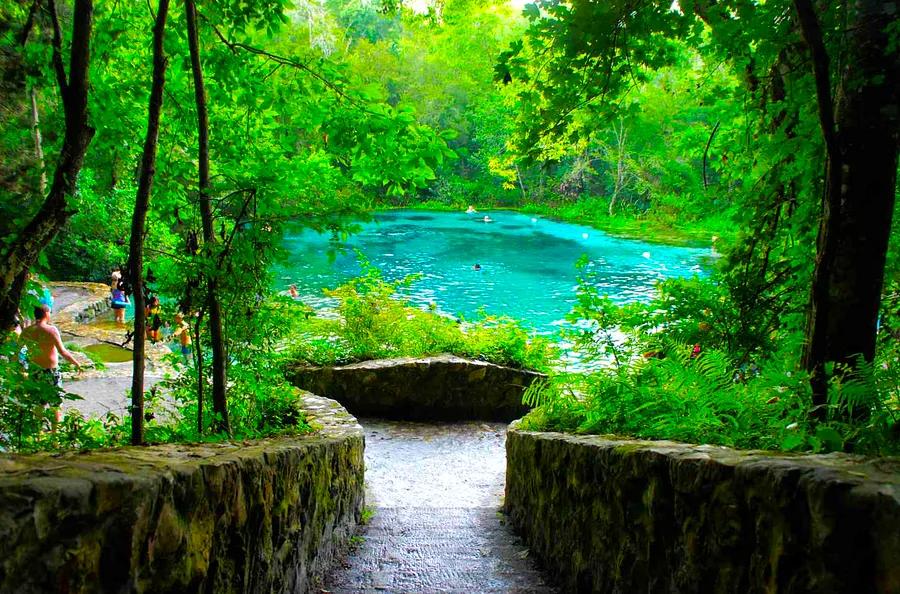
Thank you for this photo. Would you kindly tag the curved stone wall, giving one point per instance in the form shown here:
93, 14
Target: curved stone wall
260, 516
609, 515
445, 387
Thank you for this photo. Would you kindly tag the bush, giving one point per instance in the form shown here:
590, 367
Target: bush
375, 322
662, 372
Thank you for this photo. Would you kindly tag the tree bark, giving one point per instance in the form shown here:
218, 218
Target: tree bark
214, 310
861, 133
620, 165
201, 381
139, 218
38, 141
54, 212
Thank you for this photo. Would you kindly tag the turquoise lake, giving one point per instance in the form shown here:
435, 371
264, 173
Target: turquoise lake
527, 263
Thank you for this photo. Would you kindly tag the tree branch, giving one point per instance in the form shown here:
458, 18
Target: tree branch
29, 22
812, 35
234, 46
58, 67
706, 152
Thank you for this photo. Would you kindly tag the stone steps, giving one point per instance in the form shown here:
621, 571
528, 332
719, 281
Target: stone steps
426, 549
437, 525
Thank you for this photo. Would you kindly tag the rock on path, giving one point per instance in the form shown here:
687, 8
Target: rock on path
436, 490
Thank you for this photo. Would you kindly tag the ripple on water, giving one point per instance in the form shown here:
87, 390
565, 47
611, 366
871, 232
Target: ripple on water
527, 267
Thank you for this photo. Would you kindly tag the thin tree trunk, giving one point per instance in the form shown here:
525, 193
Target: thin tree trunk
620, 165
521, 185
198, 352
54, 212
38, 142
139, 218
861, 136
216, 334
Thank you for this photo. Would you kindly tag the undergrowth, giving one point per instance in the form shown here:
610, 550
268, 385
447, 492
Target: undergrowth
374, 321
664, 376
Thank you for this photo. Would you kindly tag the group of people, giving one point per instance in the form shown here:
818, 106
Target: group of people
155, 328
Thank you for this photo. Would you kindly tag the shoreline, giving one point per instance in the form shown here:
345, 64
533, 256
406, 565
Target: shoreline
633, 229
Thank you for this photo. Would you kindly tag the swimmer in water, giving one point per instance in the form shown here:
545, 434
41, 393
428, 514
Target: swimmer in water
292, 290
476, 267
488, 219
471, 209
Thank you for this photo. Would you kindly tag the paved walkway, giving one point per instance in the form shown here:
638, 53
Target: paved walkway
107, 390
436, 490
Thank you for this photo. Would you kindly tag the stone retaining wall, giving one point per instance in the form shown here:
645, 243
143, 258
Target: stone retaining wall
608, 515
260, 516
82, 301
444, 387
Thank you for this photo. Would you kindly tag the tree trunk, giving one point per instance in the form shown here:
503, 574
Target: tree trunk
214, 310
620, 165
38, 141
198, 358
54, 212
521, 184
862, 139
139, 218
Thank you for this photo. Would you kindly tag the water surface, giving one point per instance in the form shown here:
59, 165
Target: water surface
527, 263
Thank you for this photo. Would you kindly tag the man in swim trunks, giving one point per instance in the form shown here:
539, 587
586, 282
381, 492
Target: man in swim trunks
44, 347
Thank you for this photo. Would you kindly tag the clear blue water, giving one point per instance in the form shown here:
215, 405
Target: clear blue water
527, 263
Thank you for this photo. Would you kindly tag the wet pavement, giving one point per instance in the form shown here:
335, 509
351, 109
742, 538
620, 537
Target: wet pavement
82, 314
436, 492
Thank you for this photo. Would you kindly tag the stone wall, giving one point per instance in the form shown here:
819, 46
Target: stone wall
78, 302
260, 516
608, 515
445, 388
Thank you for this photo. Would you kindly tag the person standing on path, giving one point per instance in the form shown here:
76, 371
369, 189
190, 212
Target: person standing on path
119, 302
154, 319
44, 348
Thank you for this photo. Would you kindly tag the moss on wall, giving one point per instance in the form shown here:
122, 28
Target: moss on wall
608, 515
262, 516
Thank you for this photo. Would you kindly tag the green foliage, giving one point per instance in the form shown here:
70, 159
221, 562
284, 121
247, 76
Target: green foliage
679, 368
675, 122
27, 404
374, 321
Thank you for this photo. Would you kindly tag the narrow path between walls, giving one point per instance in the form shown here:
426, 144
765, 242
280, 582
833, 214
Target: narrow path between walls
436, 492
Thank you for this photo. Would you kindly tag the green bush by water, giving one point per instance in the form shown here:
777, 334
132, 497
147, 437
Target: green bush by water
375, 322
680, 368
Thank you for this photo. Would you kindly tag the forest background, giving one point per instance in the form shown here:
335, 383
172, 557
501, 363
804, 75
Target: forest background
698, 121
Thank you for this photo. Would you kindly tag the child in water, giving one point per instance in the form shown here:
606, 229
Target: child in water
154, 321
183, 334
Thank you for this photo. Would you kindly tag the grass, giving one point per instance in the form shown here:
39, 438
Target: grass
368, 513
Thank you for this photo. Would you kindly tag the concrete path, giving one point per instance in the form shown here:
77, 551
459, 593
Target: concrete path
81, 312
104, 392
436, 490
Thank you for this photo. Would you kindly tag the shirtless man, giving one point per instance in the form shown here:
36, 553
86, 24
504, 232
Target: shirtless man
45, 346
